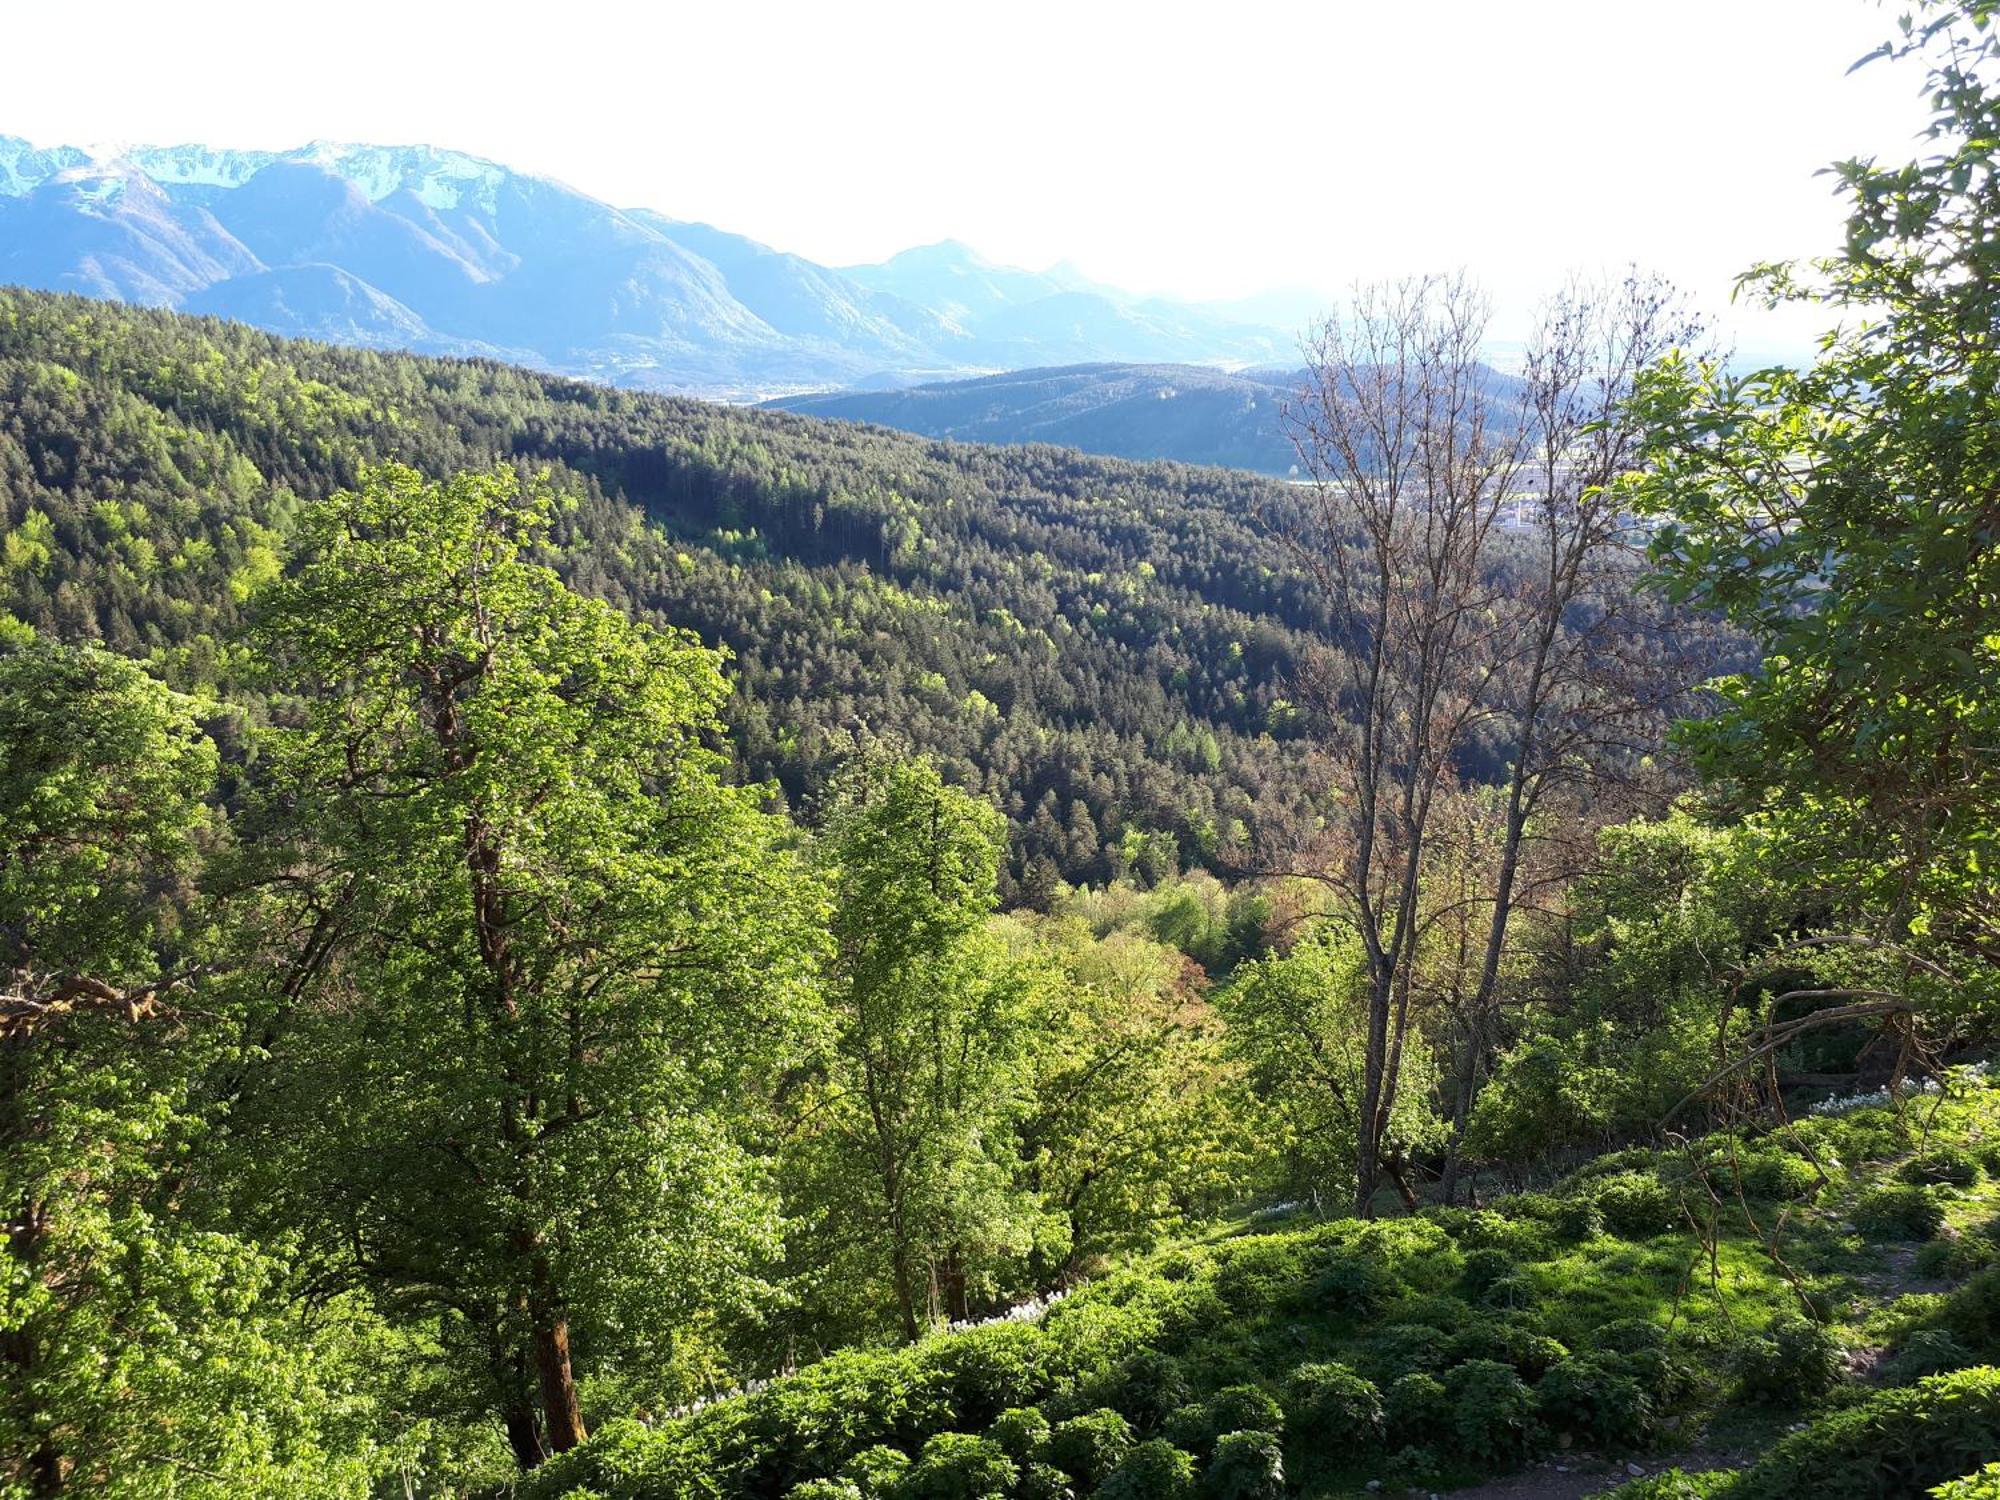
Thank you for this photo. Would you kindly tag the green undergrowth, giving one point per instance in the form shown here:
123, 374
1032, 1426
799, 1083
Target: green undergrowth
1740, 1285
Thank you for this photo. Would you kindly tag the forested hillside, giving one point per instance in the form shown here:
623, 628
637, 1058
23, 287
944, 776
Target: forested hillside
1178, 412
1102, 648
535, 957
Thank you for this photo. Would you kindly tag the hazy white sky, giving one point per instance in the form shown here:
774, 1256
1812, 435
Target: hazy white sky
1208, 150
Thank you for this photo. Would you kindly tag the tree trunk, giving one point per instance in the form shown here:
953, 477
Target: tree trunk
906, 1300
524, 1436
561, 1411
951, 1278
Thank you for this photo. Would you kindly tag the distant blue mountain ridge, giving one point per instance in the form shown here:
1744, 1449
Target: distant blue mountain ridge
413, 247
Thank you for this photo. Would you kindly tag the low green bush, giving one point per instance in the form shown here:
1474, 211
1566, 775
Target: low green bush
1928, 1351
1940, 1166
984, 1371
1246, 1466
959, 1466
1353, 1284
1331, 1411
1022, 1433
877, 1472
1414, 1408
1238, 1408
1984, 1485
1154, 1470
1592, 1400
1776, 1175
1431, 1310
1678, 1484
1090, 1446
1511, 1342
821, 1489
1147, 1386
1577, 1220
1792, 1363
1972, 1315
1483, 1268
1637, 1205
1266, 1274
1492, 1411
1402, 1349
1899, 1442
1045, 1482
1899, 1212
1952, 1258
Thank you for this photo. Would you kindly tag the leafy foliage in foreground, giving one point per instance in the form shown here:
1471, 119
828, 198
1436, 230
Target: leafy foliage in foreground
1449, 1343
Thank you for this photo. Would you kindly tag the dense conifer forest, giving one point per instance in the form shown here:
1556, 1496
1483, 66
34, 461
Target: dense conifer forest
587, 946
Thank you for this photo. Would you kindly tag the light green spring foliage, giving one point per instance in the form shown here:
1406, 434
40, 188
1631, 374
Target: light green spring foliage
144, 1350
1137, 1121
908, 1171
566, 957
1677, 912
1299, 1025
1842, 516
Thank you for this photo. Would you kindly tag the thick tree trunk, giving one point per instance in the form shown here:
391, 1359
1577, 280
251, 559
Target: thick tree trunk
524, 1435
562, 1413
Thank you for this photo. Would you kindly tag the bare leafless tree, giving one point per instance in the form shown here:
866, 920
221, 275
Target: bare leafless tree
1420, 460
1409, 464
1594, 669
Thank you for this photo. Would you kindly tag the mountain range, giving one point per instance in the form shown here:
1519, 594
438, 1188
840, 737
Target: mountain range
436, 251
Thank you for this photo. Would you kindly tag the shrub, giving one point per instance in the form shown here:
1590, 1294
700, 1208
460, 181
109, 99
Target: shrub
1246, 1466
1240, 1408
982, 1372
1972, 1314
1577, 1220
1952, 1258
877, 1472
1984, 1485
1514, 1292
1898, 1442
1777, 1175
1899, 1213
1417, 1465
1330, 1410
1154, 1470
1263, 1274
1794, 1361
1677, 1484
1483, 1268
958, 1466
1492, 1411
824, 1489
1636, 1205
1928, 1351
1403, 1349
1354, 1284
1244, 1408
1944, 1166
1591, 1399
1045, 1482
1511, 1342
1415, 1407
1090, 1446
1150, 1385
1022, 1433
1431, 1310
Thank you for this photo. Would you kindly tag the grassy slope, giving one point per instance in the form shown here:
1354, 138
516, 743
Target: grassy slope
1632, 1339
